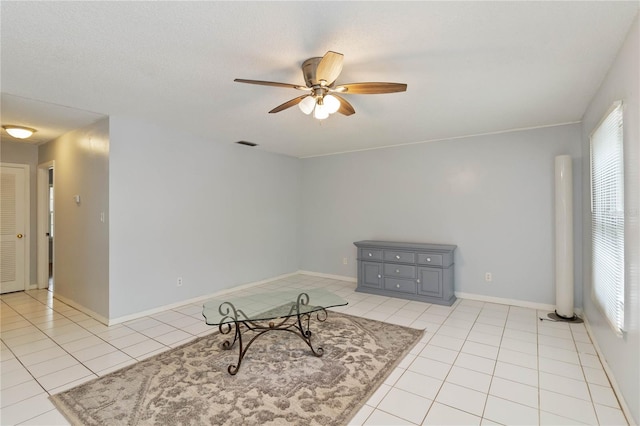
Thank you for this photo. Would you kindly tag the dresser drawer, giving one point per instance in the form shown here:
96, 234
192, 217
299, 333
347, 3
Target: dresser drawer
401, 286
399, 256
366, 254
399, 271
430, 259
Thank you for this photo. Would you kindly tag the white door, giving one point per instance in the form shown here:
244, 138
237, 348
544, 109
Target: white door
12, 228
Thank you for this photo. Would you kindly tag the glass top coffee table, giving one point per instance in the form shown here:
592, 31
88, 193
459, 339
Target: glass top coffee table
289, 311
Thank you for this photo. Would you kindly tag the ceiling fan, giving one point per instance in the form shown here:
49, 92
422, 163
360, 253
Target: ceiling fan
323, 97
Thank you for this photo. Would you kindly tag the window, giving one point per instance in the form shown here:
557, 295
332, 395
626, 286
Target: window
607, 217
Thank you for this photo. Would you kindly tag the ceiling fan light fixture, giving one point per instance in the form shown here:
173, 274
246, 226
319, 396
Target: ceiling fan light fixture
307, 105
320, 112
19, 132
331, 103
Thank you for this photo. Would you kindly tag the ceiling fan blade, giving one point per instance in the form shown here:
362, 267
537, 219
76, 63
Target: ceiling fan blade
271, 83
329, 67
345, 107
288, 104
370, 88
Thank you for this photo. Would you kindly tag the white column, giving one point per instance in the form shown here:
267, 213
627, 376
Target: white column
564, 236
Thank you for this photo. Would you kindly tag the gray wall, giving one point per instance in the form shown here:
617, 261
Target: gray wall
622, 354
492, 196
81, 239
25, 153
215, 213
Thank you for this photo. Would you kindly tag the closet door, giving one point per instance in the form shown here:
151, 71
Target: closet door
13, 241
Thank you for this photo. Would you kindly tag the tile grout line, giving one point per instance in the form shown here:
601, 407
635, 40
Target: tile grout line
405, 370
26, 368
449, 372
495, 365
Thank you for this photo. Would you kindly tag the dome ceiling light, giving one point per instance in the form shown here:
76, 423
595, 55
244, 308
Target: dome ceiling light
19, 132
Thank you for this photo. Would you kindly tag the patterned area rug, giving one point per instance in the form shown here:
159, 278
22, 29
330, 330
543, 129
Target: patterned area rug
279, 382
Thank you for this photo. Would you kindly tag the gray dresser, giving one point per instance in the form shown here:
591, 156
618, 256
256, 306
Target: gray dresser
413, 271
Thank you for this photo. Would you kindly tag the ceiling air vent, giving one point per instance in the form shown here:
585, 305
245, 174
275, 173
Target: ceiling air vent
246, 143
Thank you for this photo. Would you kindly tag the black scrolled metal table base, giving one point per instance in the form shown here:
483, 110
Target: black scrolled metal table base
296, 322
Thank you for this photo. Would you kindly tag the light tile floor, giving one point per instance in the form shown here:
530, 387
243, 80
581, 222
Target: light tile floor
477, 364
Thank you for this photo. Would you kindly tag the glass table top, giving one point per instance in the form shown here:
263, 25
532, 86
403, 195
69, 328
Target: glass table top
268, 305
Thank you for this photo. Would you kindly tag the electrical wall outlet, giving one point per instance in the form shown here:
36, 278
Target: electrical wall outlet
345, 260
179, 282
488, 277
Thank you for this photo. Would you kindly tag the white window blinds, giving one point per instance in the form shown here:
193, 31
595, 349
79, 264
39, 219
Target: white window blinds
607, 217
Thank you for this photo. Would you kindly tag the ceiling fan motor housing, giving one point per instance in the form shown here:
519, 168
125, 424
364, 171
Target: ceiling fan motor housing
309, 68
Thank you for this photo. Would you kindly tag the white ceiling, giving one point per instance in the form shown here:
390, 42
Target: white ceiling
50, 120
471, 67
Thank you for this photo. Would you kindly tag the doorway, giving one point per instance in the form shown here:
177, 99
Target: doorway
46, 226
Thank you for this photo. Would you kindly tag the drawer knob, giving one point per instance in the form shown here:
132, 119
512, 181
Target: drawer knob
397, 271
370, 255
397, 256
417, 281
379, 276
397, 285
428, 259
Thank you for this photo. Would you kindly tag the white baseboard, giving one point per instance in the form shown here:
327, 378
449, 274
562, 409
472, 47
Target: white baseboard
159, 309
333, 277
612, 379
82, 309
504, 301
193, 300
512, 302
461, 295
